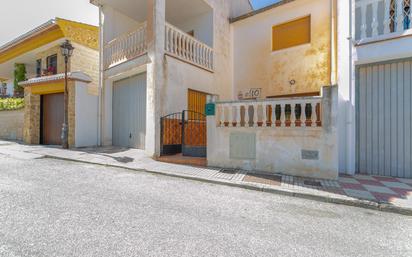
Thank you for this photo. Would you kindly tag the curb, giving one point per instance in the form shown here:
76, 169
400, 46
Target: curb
366, 204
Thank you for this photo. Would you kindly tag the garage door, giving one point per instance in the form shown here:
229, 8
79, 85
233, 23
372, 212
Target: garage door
52, 118
129, 112
384, 119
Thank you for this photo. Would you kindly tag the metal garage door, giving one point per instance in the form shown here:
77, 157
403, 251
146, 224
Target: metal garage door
384, 119
129, 112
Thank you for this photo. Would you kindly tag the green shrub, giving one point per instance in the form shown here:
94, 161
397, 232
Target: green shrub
11, 104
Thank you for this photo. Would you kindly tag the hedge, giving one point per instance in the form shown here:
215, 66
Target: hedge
7, 104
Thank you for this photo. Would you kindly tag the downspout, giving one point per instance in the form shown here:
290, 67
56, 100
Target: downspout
333, 43
101, 80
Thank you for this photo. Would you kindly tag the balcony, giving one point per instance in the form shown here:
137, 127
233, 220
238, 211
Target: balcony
126, 47
379, 20
178, 44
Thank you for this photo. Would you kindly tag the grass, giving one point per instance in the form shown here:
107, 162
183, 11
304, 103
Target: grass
8, 104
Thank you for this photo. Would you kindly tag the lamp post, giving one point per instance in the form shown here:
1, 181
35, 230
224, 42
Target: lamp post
67, 51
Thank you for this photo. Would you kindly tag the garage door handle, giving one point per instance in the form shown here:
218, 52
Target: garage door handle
130, 136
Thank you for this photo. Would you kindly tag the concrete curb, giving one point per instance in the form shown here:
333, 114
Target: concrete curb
384, 207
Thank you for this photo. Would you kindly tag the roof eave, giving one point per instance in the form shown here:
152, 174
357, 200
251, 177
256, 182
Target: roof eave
259, 11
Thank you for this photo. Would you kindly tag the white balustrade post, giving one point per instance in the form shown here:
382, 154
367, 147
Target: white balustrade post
399, 15
292, 115
375, 22
303, 115
222, 115
230, 114
247, 124
255, 115
273, 115
363, 16
264, 115
238, 116
282, 115
314, 116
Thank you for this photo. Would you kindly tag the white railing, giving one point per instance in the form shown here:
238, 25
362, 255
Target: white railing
185, 47
126, 47
381, 17
271, 113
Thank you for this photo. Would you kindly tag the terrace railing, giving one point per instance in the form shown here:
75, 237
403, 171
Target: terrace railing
181, 45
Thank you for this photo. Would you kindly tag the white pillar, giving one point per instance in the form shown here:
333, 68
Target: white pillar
156, 22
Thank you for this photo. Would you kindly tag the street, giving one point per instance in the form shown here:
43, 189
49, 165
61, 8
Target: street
58, 208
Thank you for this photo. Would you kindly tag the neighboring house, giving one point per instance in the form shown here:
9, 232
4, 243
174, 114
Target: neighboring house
39, 51
375, 90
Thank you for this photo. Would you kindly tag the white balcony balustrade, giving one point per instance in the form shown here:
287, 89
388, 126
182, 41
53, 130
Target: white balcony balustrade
126, 47
181, 45
271, 113
382, 17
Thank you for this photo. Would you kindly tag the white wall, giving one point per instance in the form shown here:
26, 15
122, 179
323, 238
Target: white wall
86, 115
116, 23
201, 25
346, 129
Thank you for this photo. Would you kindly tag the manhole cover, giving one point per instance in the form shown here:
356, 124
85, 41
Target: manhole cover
228, 171
264, 179
312, 183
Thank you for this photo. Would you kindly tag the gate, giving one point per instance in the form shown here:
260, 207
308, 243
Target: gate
184, 133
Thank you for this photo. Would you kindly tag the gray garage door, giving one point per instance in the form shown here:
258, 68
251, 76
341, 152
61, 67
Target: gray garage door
129, 112
384, 119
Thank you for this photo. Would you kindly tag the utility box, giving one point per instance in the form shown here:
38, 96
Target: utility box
210, 109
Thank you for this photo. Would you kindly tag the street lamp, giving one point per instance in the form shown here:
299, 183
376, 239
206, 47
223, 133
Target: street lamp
67, 51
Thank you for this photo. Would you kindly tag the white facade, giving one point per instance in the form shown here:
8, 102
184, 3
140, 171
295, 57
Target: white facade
379, 32
154, 27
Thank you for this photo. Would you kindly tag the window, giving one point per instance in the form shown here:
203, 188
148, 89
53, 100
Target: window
38, 68
291, 34
52, 64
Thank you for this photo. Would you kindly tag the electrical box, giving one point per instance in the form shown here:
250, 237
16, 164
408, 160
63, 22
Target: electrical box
210, 109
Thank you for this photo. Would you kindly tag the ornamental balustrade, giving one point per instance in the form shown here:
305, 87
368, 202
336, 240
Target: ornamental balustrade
381, 17
271, 113
181, 45
126, 47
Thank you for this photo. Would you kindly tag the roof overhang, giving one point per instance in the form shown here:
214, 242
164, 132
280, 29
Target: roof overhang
259, 11
48, 32
76, 76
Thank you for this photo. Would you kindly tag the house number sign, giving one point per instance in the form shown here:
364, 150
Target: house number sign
253, 93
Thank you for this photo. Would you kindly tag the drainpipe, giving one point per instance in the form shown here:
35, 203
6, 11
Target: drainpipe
333, 43
101, 80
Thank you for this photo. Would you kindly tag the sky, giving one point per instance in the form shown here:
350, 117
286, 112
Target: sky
20, 16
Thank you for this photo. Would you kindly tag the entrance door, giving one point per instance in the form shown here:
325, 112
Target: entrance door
52, 118
129, 112
384, 119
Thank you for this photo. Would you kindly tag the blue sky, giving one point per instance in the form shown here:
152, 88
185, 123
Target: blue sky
257, 4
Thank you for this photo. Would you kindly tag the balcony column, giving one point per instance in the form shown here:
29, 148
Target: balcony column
156, 21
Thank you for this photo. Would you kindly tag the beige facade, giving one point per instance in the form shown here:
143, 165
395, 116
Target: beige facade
298, 69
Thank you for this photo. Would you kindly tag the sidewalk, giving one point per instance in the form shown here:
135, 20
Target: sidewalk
382, 193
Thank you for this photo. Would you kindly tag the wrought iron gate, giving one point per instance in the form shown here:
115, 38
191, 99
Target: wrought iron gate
184, 133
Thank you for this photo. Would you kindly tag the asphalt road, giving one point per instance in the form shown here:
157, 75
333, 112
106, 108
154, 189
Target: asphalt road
58, 208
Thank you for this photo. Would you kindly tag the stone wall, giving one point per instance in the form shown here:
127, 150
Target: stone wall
86, 60
31, 134
11, 125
